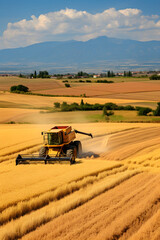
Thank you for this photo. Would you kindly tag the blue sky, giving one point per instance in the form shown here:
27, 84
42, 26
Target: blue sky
15, 11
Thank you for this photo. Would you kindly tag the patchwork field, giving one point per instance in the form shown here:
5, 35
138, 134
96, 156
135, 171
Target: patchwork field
112, 192
136, 92
57, 87
22, 108
104, 90
30, 101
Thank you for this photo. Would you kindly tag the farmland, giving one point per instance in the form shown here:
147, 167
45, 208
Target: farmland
21, 108
104, 90
117, 170
112, 192
121, 85
33, 84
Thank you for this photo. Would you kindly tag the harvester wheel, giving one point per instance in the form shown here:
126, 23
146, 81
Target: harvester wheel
42, 152
72, 152
79, 147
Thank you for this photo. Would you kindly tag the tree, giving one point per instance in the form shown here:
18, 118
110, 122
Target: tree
129, 107
82, 74
22, 88
43, 74
144, 111
109, 113
111, 106
112, 74
108, 74
127, 74
106, 113
82, 103
19, 88
35, 74
67, 85
13, 88
157, 111
57, 105
155, 77
20, 75
64, 106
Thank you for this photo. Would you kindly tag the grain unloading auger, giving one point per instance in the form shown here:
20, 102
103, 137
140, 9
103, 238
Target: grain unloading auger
58, 146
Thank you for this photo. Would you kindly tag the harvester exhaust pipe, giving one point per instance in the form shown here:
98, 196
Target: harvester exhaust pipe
88, 134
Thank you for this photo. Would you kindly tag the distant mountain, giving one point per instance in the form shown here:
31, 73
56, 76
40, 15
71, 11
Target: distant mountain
73, 53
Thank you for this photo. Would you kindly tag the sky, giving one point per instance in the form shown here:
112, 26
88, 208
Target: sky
23, 23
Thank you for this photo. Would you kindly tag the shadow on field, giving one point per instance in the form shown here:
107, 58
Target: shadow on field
50, 162
89, 155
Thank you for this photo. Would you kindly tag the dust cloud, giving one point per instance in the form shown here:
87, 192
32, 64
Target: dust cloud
96, 145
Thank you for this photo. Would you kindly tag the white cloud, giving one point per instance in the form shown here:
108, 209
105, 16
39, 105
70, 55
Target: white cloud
70, 24
130, 12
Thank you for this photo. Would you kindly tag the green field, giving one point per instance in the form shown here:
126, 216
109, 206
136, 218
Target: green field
43, 117
121, 116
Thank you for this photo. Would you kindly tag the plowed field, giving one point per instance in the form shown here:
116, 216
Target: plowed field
112, 192
103, 89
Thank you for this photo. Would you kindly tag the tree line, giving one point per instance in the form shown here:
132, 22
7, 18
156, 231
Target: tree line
80, 74
142, 111
88, 107
41, 74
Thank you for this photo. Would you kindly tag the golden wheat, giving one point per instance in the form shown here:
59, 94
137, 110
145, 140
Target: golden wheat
34, 194
149, 230
106, 213
24, 207
30, 222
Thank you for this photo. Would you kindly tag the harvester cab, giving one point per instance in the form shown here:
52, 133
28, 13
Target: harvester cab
58, 145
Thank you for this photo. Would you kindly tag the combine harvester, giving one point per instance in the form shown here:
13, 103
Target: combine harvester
58, 146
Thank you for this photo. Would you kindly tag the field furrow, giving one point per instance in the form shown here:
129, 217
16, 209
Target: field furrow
26, 150
150, 229
24, 224
109, 215
23, 207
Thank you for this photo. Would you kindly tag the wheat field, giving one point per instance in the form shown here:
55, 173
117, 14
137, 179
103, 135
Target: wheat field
20, 108
112, 192
105, 90
32, 101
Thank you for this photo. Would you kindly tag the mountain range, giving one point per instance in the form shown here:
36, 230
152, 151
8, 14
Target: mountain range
99, 53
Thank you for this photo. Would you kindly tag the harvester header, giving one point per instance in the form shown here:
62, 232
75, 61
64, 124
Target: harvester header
58, 145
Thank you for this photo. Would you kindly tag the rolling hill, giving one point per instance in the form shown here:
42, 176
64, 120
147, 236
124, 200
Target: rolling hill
95, 53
